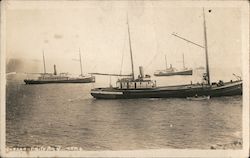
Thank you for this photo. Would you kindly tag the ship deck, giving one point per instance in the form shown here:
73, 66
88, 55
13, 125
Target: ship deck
175, 87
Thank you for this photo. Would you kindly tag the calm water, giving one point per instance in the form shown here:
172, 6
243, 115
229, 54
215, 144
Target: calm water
67, 115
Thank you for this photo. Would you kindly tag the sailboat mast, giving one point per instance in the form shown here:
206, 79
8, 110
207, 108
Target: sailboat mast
206, 50
131, 55
166, 62
80, 57
44, 66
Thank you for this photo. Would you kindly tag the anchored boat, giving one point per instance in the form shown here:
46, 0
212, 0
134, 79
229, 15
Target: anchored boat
171, 71
144, 87
46, 78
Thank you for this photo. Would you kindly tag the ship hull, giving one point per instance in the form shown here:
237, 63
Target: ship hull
185, 72
182, 91
80, 80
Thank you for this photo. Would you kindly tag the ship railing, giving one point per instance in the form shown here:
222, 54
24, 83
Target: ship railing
136, 84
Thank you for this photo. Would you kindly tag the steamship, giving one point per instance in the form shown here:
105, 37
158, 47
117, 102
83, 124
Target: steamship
144, 87
171, 71
46, 78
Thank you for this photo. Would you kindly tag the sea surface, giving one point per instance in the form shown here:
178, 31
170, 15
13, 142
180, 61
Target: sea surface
66, 115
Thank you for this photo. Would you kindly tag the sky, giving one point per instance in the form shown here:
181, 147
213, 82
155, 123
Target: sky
99, 30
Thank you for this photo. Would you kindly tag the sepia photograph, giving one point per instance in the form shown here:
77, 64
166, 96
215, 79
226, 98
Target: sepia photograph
124, 78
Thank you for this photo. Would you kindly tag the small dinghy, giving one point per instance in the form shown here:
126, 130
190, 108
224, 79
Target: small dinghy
199, 98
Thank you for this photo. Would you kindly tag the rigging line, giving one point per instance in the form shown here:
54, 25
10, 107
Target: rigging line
174, 34
156, 54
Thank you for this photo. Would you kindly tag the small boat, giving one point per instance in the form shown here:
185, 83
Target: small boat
46, 78
144, 87
171, 71
198, 98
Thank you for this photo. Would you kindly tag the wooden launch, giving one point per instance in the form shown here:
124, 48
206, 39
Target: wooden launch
144, 87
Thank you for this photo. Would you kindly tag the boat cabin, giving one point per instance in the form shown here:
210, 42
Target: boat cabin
127, 83
50, 76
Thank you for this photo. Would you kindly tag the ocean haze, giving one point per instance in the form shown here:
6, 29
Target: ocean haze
100, 31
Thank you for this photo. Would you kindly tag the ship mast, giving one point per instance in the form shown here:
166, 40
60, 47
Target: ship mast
206, 50
130, 48
44, 66
80, 59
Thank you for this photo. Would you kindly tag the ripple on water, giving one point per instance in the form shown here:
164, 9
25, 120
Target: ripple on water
67, 115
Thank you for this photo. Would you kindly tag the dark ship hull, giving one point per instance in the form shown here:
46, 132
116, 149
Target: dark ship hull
184, 72
70, 80
181, 91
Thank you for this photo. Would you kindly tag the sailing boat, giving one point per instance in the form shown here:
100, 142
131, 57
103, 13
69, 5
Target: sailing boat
171, 71
146, 88
46, 78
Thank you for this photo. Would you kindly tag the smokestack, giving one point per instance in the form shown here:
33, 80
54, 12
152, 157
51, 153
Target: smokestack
141, 71
55, 73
